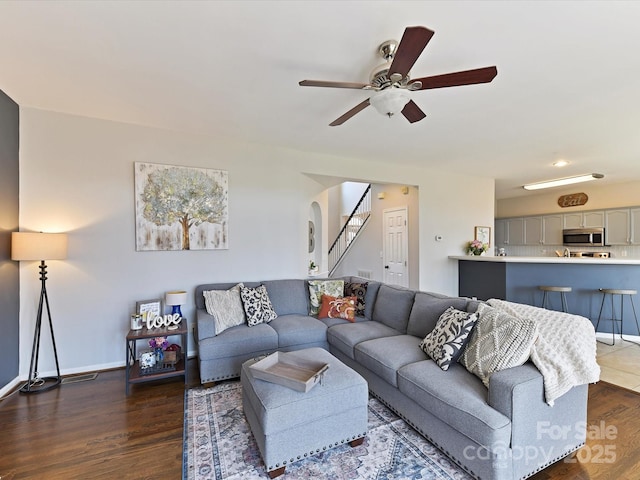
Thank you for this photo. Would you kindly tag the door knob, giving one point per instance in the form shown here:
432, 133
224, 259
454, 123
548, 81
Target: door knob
386, 266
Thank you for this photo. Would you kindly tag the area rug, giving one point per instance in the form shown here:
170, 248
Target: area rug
218, 445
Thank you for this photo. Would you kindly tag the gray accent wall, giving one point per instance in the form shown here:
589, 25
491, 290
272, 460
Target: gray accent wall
9, 274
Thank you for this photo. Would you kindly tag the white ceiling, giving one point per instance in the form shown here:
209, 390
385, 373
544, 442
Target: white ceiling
567, 85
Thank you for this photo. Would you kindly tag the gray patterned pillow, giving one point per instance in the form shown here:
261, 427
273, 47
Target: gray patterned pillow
317, 288
358, 290
225, 306
445, 342
499, 341
257, 305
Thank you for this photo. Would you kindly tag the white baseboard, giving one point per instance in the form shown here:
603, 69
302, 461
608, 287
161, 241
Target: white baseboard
9, 386
607, 337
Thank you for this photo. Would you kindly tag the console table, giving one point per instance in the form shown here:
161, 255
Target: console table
134, 374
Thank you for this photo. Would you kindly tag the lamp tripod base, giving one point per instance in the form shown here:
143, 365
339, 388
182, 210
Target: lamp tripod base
38, 385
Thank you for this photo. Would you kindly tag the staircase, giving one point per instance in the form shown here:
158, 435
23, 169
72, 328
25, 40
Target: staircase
350, 231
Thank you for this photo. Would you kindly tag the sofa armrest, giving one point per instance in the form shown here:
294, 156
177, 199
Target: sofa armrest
540, 433
205, 325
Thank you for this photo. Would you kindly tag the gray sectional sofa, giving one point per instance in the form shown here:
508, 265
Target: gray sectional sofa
505, 431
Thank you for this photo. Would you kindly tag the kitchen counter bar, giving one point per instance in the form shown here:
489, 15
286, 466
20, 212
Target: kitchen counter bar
553, 260
516, 279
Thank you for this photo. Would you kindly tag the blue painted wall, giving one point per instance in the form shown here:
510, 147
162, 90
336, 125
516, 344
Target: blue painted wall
9, 275
518, 282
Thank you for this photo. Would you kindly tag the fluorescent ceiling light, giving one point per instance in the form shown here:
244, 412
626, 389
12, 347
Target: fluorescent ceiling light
563, 181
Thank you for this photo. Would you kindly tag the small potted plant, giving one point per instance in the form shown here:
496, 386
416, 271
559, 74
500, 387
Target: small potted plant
476, 247
313, 268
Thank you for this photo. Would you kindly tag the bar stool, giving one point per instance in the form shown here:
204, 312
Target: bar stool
562, 291
622, 293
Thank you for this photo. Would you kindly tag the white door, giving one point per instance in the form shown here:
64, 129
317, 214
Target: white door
395, 246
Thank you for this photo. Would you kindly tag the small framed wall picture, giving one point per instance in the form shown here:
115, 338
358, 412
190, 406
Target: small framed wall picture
149, 308
483, 234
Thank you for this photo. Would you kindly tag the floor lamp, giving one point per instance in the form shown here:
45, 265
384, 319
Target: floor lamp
29, 246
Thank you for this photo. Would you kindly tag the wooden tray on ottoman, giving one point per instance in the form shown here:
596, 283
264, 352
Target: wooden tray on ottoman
287, 369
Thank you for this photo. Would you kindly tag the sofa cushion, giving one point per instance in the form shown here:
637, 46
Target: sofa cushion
338, 307
458, 399
199, 297
257, 305
225, 306
288, 296
393, 306
297, 329
358, 290
498, 341
317, 288
237, 341
346, 336
445, 343
384, 356
426, 310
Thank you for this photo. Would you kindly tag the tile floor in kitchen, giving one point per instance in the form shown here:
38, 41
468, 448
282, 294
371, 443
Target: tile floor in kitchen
620, 363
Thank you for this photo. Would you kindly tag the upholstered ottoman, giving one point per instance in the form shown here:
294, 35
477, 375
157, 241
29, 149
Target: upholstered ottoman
289, 425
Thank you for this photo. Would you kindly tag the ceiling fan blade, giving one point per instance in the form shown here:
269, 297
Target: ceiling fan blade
467, 77
412, 112
411, 46
322, 83
358, 108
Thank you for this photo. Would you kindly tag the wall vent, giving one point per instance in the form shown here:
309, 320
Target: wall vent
364, 274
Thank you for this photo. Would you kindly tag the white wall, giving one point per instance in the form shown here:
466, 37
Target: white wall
365, 254
76, 175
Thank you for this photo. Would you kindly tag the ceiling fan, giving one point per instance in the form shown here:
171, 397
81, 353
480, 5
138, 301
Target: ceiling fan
391, 83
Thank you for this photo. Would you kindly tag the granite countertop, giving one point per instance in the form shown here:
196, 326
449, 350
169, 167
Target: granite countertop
572, 260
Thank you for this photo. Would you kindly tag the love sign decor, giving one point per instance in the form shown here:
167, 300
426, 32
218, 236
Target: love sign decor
158, 321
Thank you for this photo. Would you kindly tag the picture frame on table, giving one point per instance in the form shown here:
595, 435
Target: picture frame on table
146, 307
483, 234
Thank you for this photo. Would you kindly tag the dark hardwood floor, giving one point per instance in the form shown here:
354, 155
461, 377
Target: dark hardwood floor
91, 430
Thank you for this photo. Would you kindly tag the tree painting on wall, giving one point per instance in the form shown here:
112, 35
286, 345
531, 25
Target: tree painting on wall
180, 208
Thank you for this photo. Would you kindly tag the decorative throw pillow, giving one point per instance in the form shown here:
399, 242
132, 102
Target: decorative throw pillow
338, 307
317, 288
225, 306
257, 305
358, 290
445, 343
498, 341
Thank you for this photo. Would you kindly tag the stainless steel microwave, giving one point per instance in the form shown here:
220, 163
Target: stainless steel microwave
583, 237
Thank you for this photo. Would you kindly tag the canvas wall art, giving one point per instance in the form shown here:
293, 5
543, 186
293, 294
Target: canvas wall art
181, 208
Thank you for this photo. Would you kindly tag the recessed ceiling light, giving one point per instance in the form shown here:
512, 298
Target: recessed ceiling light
563, 181
561, 163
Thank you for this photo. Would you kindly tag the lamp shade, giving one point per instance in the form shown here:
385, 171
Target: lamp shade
176, 297
390, 101
38, 246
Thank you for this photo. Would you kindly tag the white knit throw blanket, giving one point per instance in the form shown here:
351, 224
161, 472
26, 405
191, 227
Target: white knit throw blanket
565, 352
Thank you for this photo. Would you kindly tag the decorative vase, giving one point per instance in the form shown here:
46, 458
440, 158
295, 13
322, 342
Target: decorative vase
159, 355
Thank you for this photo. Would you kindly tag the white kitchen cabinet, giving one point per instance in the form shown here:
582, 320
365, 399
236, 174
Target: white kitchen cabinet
515, 229
501, 235
634, 215
584, 219
617, 227
552, 229
509, 231
533, 231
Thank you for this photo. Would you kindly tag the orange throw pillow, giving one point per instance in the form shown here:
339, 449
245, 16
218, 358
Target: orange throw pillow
338, 307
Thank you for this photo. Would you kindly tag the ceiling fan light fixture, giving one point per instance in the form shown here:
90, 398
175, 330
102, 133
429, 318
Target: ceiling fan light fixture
390, 101
563, 181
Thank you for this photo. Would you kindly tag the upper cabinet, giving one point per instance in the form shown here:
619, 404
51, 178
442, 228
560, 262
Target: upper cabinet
533, 231
509, 231
584, 219
634, 225
618, 227
552, 229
